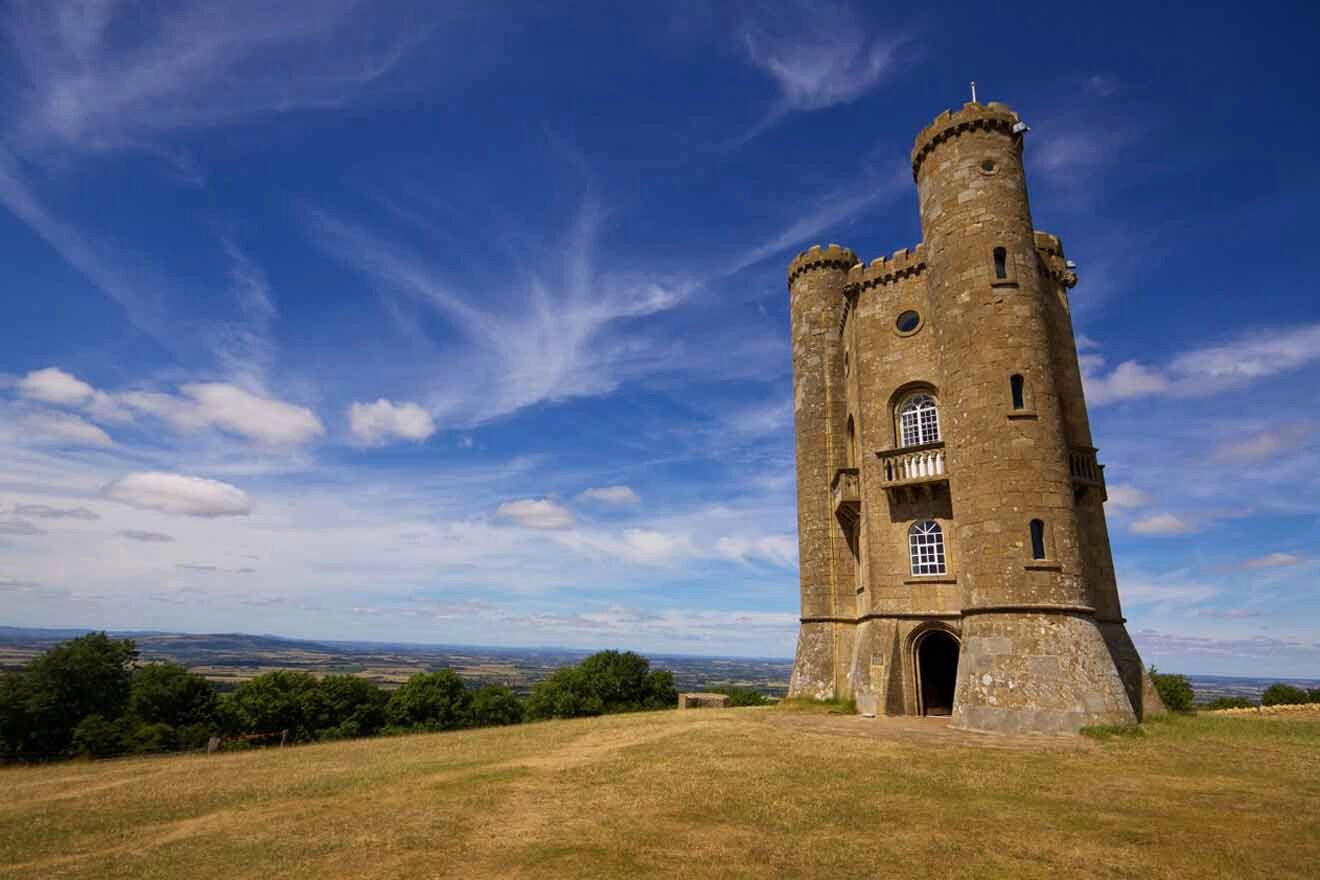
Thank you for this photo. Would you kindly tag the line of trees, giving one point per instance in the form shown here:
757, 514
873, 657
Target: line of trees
90, 696
1178, 696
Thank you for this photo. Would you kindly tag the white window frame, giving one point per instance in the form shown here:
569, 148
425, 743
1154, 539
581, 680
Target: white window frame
919, 420
926, 549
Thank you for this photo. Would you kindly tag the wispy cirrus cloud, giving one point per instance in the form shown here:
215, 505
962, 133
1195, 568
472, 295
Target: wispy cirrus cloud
819, 54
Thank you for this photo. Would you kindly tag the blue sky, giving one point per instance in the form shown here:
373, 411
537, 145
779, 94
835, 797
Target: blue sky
424, 322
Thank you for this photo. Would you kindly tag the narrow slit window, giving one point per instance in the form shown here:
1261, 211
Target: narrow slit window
1017, 385
852, 444
1001, 264
1037, 539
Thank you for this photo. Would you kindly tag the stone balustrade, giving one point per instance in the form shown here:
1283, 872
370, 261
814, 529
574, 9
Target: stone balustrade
913, 465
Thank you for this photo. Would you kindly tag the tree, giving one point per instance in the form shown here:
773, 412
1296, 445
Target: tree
97, 737
167, 693
607, 681
567, 693
274, 702
494, 705
430, 701
350, 707
1313, 695
41, 706
1174, 690
1283, 695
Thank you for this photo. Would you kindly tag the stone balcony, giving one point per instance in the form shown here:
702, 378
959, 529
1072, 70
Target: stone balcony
847, 494
1086, 472
912, 470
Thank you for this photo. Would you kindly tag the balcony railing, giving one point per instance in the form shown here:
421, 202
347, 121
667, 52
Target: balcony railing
1086, 472
913, 465
847, 493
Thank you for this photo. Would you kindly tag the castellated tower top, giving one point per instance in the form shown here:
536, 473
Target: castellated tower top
950, 123
835, 257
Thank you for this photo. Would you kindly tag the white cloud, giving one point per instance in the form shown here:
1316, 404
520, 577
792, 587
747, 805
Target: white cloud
638, 546
179, 494
1264, 445
611, 495
19, 528
1156, 592
819, 54
1273, 560
780, 550
1209, 370
45, 511
230, 408
535, 513
1122, 495
53, 385
1129, 379
377, 423
1160, 524
61, 428
145, 536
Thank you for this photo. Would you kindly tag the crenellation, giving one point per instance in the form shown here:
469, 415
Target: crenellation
966, 570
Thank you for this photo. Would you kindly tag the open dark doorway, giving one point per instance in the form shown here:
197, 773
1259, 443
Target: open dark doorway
937, 670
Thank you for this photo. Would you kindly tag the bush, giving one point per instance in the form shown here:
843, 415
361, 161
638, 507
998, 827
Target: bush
1283, 695
274, 702
1174, 690
607, 681
166, 693
1313, 695
42, 705
350, 707
97, 737
430, 701
495, 705
739, 696
1229, 703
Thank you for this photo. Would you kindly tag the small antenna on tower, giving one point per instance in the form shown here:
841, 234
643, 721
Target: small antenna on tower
973, 91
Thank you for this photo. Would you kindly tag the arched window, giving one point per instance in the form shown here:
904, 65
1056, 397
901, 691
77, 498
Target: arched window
1001, 264
926, 547
852, 444
1037, 539
1018, 385
918, 421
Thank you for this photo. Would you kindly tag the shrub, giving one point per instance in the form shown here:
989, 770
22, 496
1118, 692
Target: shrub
430, 701
739, 696
1230, 703
97, 737
495, 705
42, 705
1283, 695
350, 707
166, 693
275, 702
567, 693
1313, 695
1174, 690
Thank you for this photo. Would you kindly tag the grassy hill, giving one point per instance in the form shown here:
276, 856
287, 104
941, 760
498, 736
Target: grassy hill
731, 793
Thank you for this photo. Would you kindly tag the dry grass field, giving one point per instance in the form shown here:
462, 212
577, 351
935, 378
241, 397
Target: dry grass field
729, 793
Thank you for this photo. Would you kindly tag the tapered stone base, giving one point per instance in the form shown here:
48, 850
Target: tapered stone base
813, 664
1141, 691
1030, 672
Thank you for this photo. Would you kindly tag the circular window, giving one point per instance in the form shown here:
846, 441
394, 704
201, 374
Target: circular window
987, 166
908, 322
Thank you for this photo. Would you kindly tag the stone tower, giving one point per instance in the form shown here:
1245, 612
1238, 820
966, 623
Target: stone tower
954, 554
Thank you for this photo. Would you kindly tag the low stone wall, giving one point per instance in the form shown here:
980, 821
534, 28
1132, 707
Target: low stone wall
703, 701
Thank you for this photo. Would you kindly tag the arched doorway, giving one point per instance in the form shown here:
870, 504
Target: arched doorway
937, 671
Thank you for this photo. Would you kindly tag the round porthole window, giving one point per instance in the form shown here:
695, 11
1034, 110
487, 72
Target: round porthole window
987, 166
908, 322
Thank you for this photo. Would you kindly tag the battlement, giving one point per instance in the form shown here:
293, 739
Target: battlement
951, 123
1052, 259
835, 257
882, 271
